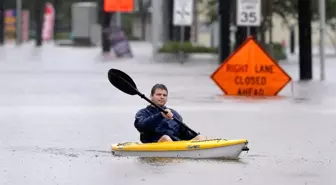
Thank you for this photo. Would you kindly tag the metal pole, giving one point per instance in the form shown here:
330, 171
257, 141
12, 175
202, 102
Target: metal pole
156, 16
248, 31
105, 27
118, 19
18, 22
322, 38
182, 41
39, 7
224, 43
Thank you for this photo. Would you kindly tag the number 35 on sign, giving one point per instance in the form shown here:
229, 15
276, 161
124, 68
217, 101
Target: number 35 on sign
249, 12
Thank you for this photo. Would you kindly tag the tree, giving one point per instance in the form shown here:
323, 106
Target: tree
283, 8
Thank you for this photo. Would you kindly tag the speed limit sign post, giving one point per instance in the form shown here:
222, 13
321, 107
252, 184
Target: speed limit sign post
248, 13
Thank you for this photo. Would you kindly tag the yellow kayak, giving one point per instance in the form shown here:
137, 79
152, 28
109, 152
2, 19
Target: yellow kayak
212, 148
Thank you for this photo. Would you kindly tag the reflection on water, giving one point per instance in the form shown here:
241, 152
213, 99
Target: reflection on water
160, 161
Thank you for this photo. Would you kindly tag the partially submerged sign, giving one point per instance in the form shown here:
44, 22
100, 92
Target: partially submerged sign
119, 42
250, 71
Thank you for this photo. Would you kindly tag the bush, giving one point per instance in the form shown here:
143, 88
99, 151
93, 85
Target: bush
133, 38
186, 47
276, 50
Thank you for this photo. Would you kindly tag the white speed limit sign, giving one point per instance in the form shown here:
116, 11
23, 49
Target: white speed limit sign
249, 12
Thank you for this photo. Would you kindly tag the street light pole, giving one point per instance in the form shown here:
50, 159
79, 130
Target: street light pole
322, 9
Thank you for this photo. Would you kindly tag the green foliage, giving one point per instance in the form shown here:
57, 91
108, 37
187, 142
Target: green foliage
187, 47
283, 8
276, 50
210, 9
330, 12
63, 36
127, 24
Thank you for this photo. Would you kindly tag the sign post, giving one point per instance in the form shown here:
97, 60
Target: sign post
182, 16
250, 71
248, 13
322, 13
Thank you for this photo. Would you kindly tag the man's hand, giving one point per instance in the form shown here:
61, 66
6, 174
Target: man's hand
169, 114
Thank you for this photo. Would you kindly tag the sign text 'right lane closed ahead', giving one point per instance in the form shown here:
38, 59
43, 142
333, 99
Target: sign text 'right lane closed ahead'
250, 72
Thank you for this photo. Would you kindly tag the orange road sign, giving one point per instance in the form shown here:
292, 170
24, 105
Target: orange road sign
250, 71
118, 5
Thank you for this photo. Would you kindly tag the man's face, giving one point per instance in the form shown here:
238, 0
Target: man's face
160, 97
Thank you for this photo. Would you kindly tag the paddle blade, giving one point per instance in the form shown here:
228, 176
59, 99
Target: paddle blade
122, 81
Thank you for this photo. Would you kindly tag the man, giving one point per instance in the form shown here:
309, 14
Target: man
155, 126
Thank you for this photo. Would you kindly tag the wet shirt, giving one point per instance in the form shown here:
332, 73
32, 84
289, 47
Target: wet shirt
152, 125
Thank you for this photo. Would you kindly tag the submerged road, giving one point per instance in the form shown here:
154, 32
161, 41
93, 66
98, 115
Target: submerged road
59, 116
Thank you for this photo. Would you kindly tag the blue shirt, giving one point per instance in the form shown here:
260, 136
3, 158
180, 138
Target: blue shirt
152, 125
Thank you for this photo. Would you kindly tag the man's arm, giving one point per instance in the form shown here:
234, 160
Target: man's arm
143, 122
186, 134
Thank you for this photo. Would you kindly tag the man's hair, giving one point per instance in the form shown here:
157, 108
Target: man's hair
158, 86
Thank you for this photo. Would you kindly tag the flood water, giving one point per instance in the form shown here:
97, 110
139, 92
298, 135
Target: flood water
59, 116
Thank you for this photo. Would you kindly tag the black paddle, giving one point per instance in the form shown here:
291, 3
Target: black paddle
124, 83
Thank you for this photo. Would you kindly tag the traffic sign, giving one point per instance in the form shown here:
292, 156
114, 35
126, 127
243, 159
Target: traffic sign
250, 71
183, 12
118, 5
248, 12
